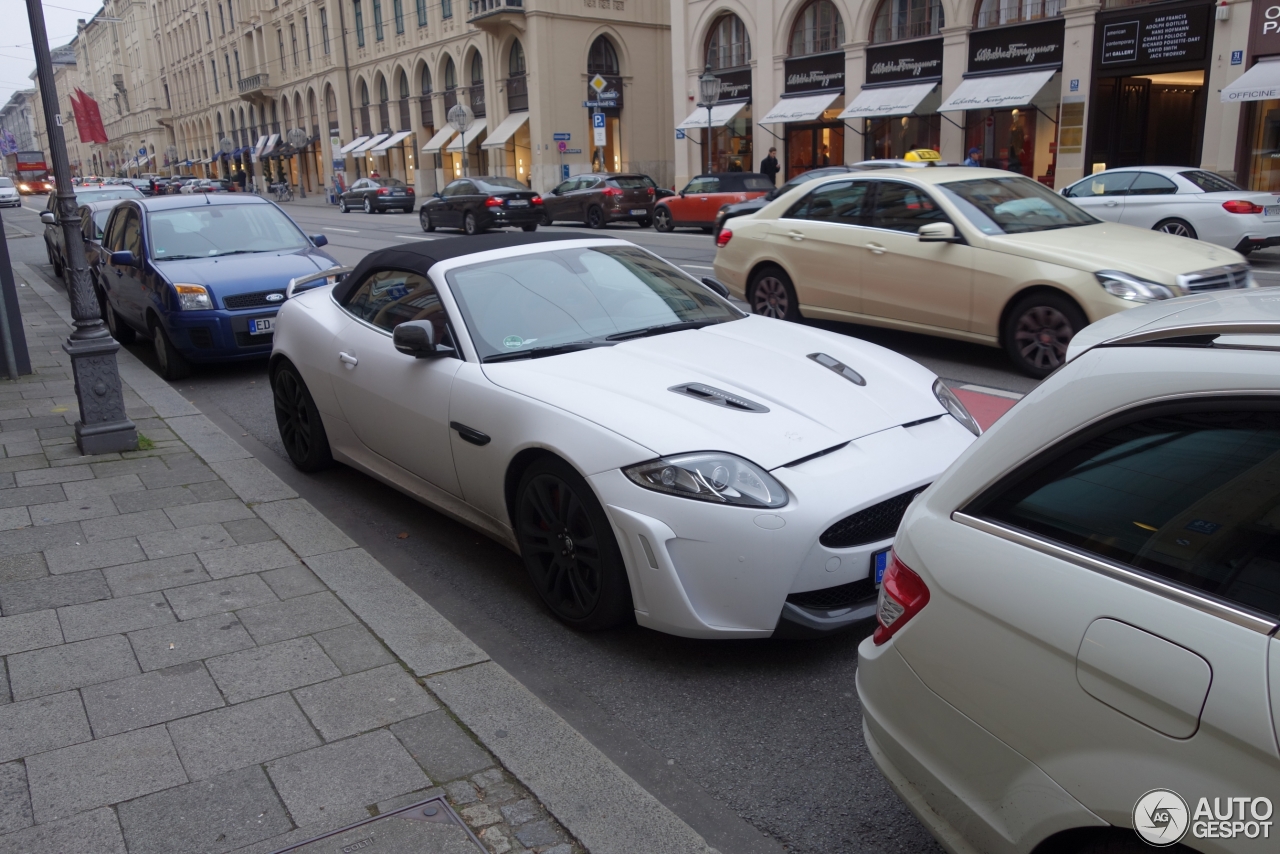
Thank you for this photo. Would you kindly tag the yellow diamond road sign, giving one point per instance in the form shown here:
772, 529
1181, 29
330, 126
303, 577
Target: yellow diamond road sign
598, 83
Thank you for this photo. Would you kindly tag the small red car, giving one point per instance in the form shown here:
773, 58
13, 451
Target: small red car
697, 204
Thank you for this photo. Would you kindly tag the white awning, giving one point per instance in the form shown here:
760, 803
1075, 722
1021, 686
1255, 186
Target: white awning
798, 108
721, 115
437, 142
371, 142
885, 101
1260, 83
996, 91
502, 133
473, 133
257, 149
360, 140
394, 139
271, 144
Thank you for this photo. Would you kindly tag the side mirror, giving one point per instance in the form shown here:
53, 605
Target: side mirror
437, 195
319, 240
123, 258
682, 194
48, 218
938, 232
415, 338
716, 285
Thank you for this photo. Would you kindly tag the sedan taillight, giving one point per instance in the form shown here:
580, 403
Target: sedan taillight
384, 192
902, 595
723, 238
612, 191
1239, 206
493, 202
537, 200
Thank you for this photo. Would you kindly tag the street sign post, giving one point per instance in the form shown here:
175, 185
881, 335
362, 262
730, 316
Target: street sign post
460, 117
561, 137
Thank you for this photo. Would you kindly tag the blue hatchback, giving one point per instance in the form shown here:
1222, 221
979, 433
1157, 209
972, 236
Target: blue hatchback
202, 276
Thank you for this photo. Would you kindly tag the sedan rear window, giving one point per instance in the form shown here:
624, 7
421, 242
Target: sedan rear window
497, 185
1209, 181
1013, 205
630, 182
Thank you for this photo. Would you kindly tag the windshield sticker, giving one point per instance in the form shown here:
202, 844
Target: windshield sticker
511, 342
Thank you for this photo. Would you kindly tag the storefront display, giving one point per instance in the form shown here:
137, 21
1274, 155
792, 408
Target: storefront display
730, 123
814, 137
1258, 93
897, 106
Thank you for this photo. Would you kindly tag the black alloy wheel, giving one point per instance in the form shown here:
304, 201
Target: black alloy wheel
662, 220
644, 222
1177, 227
469, 224
772, 295
595, 217
173, 365
1038, 330
424, 219
533, 226
569, 549
368, 208
298, 420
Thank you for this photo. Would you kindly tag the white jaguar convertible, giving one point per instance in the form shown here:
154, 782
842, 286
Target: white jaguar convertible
647, 448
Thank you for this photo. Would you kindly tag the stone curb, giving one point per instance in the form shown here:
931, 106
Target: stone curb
607, 811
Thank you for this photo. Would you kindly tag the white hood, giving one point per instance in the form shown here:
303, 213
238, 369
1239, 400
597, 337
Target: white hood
626, 388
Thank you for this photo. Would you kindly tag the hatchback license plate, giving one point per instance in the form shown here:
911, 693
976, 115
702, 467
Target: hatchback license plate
1271, 210
638, 212
262, 325
518, 203
879, 561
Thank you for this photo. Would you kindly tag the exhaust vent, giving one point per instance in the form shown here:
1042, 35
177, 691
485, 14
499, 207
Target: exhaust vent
839, 367
718, 397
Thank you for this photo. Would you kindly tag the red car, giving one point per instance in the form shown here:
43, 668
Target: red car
697, 204
35, 186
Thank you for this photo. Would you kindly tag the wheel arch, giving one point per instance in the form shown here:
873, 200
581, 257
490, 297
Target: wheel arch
516, 468
1026, 291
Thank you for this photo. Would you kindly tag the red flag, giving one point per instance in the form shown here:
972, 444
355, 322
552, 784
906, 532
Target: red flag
98, 132
82, 120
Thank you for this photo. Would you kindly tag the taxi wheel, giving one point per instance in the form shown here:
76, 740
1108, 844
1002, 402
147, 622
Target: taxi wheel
772, 295
662, 220
173, 365
298, 419
1177, 227
1038, 329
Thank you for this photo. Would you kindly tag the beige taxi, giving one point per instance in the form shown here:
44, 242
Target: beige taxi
978, 255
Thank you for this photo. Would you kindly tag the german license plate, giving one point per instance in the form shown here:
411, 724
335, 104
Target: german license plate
639, 212
879, 561
518, 203
1271, 210
262, 325
397, 192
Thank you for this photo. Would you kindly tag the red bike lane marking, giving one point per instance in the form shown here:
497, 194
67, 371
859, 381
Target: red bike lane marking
984, 407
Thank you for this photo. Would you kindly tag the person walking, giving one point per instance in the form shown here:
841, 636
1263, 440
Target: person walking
769, 166
974, 158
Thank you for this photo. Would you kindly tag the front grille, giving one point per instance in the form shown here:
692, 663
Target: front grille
201, 337
1217, 279
834, 598
875, 523
257, 300
244, 339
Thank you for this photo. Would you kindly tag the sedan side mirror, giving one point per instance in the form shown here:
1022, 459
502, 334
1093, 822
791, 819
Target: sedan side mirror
437, 195
123, 258
716, 285
416, 338
319, 240
938, 232
48, 218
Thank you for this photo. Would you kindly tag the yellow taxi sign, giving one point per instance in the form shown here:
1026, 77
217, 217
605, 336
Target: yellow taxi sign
922, 155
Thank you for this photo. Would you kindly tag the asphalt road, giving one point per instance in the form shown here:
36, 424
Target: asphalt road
757, 744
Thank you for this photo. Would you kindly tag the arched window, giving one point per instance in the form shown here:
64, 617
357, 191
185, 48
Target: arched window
284, 109
907, 19
477, 70
515, 60
728, 45
299, 119
602, 58
383, 95
993, 13
818, 29
364, 94
426, 80
450, 75
404, 86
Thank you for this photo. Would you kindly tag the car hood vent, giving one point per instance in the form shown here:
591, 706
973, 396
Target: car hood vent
718, 397
839, 367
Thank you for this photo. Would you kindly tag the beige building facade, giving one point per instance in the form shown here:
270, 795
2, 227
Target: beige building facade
66, 77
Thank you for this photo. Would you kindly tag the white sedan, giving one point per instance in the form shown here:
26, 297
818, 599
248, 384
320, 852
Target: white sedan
645, 446
1076, 649
1180, 200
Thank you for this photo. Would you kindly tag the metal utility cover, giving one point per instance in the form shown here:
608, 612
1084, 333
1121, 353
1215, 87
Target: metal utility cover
430, 827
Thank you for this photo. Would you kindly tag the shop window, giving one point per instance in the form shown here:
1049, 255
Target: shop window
907, 19
994, 13
818, 29
892, 138
728, 45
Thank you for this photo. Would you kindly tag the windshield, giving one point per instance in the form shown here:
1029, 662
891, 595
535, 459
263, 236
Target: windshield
494, 184
211, 230
89, 194
576, 296
1013, 205
6, 182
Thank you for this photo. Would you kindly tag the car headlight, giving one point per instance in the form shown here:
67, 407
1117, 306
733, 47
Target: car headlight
193, 298
1130, 287
710, 476
952, 404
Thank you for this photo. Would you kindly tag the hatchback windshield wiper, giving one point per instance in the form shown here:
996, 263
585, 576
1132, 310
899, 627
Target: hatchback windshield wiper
547, 350
660, 329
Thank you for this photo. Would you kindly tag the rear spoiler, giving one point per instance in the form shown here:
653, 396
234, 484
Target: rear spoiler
316, 280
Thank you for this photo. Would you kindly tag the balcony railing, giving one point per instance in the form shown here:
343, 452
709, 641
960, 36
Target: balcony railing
477, 99
254, 83
517, 94
428, 120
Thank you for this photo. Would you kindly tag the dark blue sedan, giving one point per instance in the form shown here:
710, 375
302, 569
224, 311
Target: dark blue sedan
202, 276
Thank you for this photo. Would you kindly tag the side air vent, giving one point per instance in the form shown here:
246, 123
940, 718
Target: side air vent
839, 367
718, 397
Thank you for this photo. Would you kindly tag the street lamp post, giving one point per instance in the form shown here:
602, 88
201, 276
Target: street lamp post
224, 163
460, 117
297, 138
103, 426
709, 91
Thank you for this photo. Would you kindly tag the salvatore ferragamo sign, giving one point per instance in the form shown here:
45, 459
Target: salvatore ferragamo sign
899, 62
821, 73
1019, 48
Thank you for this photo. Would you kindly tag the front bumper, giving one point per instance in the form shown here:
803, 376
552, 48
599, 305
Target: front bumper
219, 335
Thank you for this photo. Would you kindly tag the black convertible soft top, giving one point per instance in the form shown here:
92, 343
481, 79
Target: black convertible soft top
421, 257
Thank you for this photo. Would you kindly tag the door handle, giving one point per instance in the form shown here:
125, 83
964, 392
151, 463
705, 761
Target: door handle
348, 359
1112, 203
703, 199
876, 248
469, 434
795, 235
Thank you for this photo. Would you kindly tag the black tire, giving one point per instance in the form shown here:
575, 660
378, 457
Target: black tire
595, 217
1038, 329
662, 220
173, 365
470, 225
1176, 227
121, 331
58, 266
299, 422
645, 222
342, 205
569, 549
424, 219
771, 294
368, 206
533, 226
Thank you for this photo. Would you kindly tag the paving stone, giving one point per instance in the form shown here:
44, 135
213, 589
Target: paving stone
64, 559
72, 511
271, 669
15, 803
53, 591
214, 490
249, 531
408, 799
563, 848
496, 840
238, 736
114, 616
481, 815
214, 815
39, 539
364, 701
205, 637
184, 540
5, 697
227, 510
441, 747
362, 770
213, 597
35, 477
293, 581
180, 476
152, 698
96, 831
253, 482
135, 467
33, 630
14, 517
353, 648
303, 528
485, 779
499, 792
102, 772
21, 464
461, 792
521, 812
148, 575
71, 665
294, 617
103, 486
154, 499
22, 567
206, 438
539, 833
24, 495
147, 522
238, 560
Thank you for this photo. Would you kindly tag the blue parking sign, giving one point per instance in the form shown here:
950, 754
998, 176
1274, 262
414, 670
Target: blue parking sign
597, 120
564, 171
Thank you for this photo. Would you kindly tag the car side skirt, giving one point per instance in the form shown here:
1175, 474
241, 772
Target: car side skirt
816, 312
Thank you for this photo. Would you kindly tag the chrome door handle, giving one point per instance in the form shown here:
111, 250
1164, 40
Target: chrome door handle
795, 235
703, 199
1112, 203
348, 359
876, 248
